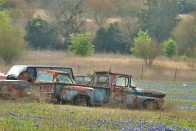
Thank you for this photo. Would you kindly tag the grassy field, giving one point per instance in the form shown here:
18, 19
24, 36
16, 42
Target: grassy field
162, 70
41, 116
179, 113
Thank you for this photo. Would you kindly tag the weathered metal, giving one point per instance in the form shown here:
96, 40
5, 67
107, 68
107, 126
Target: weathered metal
61, 87
11, 89
16, 81
82, 79
119, 88
2, 76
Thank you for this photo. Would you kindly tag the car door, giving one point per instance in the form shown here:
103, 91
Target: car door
120, 89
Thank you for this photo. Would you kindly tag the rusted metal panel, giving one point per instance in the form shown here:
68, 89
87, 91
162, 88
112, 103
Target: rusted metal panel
14, 88
100, 96
2, 76
122, 90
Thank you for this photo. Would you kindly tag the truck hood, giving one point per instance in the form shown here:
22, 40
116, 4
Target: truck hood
149, 93
80, 88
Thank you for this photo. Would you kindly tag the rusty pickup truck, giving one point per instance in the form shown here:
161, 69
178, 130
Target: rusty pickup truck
60, 87
18, 80
117, 89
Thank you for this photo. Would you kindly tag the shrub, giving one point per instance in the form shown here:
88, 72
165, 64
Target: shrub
81, 44
169, 48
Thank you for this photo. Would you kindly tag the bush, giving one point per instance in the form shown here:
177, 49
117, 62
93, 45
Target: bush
169, 48
81, 44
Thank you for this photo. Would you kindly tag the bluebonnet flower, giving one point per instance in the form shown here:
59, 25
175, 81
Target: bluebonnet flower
36, 125
12, 114
52, 125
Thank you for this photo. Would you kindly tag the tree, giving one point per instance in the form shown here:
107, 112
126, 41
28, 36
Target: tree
159, 18
81, 44
145, 47
185, 35
169, 48
110, 40
12, 45
66, 14
186, 6
41, 35
22, 12
100, 11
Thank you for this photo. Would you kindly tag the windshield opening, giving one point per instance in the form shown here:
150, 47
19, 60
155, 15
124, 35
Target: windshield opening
48, 77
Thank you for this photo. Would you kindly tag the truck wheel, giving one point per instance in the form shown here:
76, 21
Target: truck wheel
81, 102
150, 105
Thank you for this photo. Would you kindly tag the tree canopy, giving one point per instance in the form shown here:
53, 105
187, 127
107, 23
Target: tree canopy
12, 44
159, 18
145, 47
110, 40
185, 35
81, 44
41, 35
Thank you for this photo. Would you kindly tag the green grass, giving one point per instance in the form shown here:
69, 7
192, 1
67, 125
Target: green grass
42, 116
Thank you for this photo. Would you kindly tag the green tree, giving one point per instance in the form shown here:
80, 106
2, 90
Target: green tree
159, 18
42, 35
110, 40
169, 48
12, 44
145, 47
185, 35
81, 45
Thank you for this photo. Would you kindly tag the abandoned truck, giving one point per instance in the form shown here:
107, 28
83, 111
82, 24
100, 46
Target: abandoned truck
120, 89
116, 88
16, 84
55, 84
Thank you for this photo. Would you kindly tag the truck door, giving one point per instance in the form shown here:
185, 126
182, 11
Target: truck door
120, 89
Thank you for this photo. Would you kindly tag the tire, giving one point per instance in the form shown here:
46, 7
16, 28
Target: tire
81, 102
150, 105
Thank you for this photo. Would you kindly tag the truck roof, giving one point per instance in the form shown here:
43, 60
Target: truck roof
108, 72
54, 71
41, 66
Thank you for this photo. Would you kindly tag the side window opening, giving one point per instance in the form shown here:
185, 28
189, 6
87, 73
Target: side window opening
122, 81
64, 78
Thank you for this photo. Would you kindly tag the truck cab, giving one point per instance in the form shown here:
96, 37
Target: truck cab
123, 91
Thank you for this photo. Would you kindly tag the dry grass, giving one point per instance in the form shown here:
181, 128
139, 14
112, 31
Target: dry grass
162, 70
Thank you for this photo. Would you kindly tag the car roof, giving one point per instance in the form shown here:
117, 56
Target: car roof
42, 66
81, 75
54, 71
108, 72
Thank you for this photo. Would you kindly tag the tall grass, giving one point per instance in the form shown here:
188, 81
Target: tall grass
162, 70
